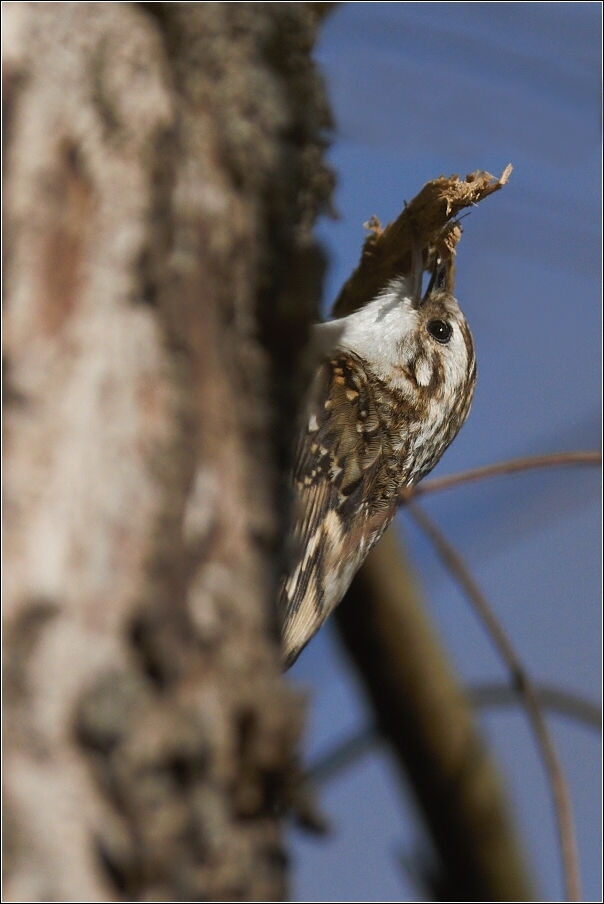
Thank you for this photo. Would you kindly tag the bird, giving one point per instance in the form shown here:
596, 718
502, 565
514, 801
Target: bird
393, 386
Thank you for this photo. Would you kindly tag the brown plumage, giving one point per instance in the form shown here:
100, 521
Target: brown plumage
392, 391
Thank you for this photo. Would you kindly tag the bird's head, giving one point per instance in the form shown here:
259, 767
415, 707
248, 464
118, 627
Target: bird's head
419, 343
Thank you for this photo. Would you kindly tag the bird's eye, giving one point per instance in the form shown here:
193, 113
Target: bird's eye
440, 330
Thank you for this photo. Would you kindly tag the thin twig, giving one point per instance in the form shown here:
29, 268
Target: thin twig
521, 680
343, 754
562, 702
347, 752
513, 466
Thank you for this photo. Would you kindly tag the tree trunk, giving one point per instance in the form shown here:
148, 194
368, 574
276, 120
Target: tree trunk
163, 169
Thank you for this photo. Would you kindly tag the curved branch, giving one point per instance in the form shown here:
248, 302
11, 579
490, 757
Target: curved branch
513, 466
528, 691
348, 751
562, 702
421, 710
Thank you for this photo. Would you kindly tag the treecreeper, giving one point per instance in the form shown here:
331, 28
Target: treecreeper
392, 388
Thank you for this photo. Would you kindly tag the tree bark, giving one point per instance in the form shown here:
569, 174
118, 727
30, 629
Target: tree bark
163, 169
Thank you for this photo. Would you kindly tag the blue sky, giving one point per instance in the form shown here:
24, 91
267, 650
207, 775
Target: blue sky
418, 90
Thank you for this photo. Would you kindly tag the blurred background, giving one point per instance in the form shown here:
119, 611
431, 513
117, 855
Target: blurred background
420, 90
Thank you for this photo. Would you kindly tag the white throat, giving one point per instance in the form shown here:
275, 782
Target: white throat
376, 332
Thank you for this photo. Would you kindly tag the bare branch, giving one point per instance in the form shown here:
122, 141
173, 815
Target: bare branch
422, 711
528, 691
354, 747
344, 754
562, 702
513, 466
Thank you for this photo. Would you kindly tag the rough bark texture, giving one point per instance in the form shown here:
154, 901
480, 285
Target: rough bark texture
163, 168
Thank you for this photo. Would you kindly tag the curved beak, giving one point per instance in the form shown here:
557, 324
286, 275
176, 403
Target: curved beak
438, 277
417, 272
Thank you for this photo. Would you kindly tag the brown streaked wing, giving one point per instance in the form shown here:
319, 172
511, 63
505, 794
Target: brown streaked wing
343, 473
